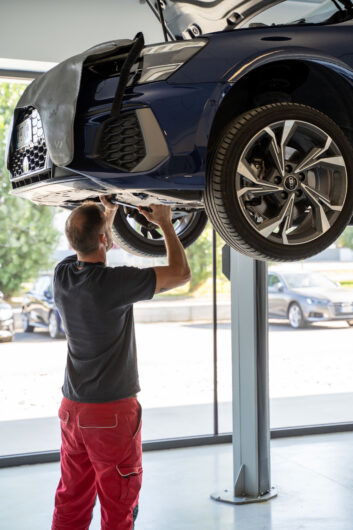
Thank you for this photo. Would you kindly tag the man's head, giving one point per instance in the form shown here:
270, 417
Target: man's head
87, 231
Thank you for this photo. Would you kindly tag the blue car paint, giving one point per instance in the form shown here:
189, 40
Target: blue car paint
185, 105
184, 111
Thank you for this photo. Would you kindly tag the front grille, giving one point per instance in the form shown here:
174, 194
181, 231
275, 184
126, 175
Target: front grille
32, 157
340, 308
31, 179
121, 143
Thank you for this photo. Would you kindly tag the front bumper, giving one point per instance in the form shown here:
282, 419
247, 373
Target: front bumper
334, 311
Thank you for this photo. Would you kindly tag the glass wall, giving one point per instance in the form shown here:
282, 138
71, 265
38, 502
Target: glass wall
173, 332
310, 341
310, 335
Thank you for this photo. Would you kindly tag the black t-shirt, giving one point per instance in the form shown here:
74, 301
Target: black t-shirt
95, 304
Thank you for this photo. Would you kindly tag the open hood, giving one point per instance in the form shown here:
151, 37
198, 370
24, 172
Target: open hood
186, 19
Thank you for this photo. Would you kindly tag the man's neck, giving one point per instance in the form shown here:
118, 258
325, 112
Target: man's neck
96, 257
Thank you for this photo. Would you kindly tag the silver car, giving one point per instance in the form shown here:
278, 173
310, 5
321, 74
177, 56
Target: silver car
304, 297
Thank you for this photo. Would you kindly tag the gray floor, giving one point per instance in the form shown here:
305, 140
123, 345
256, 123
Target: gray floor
314, 477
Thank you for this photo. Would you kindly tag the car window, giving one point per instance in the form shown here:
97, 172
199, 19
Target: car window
297, 12
273, 279
299, 280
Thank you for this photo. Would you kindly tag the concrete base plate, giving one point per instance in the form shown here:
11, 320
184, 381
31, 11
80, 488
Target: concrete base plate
228, 497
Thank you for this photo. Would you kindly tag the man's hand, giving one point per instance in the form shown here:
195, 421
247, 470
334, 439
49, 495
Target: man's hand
160, 215
108, 206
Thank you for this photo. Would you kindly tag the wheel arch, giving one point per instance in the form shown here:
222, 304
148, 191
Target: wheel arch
322, 83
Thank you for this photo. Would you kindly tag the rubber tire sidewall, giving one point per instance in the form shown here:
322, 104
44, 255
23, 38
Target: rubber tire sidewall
222, 204
128, 241
303, 322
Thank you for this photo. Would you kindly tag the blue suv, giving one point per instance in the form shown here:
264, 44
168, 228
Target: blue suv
243, 116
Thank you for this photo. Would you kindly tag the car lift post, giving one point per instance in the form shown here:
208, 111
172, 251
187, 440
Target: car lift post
251, 430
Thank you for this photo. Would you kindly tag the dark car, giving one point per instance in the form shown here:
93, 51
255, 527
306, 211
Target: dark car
246, 116
304, 297
39, 310
6, 321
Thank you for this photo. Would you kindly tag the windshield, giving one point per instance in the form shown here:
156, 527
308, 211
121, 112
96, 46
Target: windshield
299, 280
300, 12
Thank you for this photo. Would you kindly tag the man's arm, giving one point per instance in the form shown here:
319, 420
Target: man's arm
110, 210
177, 272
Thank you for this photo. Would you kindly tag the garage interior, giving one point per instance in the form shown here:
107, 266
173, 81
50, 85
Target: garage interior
304, 453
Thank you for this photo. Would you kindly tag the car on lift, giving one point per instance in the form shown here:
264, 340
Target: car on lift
39, 309
244, 116
307, 297
7, 327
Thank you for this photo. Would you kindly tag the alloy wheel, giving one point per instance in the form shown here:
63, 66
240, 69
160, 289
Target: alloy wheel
291, 182
295, 316
53, 326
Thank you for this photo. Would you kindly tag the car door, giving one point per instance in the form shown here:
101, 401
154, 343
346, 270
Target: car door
32, 306
45, 299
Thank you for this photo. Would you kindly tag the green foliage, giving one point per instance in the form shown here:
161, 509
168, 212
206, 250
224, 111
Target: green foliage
27, 235
199, 255
346, 238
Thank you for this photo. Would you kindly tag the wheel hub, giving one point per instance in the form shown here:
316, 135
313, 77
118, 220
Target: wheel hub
291, 183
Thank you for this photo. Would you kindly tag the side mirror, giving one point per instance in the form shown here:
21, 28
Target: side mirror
279, 287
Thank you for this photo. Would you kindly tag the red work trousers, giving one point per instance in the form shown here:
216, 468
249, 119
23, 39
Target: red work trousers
100, 454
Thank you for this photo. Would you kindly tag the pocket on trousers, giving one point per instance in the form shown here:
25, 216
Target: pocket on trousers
89, 420
130, 478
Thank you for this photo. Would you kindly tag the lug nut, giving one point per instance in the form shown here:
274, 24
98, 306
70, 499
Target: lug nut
284, 194
302, 176
278, 180
288, 169
299, 193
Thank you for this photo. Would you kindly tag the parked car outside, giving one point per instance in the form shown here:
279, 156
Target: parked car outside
6, 321
306, 297
245, 115
39, 310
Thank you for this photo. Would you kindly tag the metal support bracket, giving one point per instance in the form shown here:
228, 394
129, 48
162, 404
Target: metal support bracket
251, 430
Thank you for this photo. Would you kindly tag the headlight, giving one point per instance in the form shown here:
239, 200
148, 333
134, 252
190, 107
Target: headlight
317, 301
159, 61
5, 314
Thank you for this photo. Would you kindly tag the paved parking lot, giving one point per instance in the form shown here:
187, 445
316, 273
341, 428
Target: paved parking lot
176, 368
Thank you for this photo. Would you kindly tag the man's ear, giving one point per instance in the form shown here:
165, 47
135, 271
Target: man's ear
103, 240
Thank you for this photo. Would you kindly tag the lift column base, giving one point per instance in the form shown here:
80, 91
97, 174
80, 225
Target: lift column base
229, 498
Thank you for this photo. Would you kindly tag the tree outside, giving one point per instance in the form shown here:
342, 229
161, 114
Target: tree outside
27, 234
346, 238
199, 255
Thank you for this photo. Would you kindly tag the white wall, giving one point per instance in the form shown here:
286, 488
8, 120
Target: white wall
52, 30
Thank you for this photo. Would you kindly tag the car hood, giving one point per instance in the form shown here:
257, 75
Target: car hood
186, 19
334, 295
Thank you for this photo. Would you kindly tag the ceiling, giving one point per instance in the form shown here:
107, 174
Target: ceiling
49, 31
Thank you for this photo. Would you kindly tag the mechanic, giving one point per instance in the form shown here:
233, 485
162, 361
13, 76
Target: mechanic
100, 414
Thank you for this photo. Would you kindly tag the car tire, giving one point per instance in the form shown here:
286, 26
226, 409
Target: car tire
27, 327
54, 326
133, 233
296, 316
274, 207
